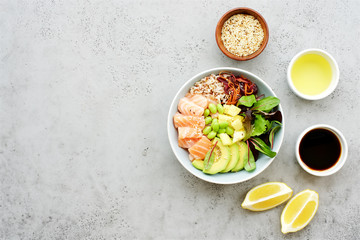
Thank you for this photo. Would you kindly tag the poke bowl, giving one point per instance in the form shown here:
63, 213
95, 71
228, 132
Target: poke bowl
262, 160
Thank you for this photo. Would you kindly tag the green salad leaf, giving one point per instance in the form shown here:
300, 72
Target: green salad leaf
266, 104
268, 125
271, 124
247, 101
272, 135
261, 146
209, 158
260, 125
249, 160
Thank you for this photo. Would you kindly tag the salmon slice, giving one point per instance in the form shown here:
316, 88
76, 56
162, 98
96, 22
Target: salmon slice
198, 99
187, 107
199, 149
181, 120
189, 132
188, 142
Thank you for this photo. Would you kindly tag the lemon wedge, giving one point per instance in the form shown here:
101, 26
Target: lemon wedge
299, 211
266, 196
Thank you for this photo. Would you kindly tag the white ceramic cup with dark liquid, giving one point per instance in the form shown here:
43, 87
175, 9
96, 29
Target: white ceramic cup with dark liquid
321, 150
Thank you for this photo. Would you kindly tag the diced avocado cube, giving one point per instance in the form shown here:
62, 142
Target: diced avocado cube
238, 136
225, 139
231, 110
224, 118
237, 124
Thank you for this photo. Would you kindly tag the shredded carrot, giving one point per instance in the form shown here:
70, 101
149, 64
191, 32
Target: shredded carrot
246, 90
234, 84
234, 95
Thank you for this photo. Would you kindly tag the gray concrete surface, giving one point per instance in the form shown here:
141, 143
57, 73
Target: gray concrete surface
85, 88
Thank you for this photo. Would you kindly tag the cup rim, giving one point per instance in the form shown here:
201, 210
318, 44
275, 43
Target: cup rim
343, 156
334, 81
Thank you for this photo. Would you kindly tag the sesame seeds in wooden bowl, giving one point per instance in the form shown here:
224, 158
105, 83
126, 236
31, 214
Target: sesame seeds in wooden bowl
242, 34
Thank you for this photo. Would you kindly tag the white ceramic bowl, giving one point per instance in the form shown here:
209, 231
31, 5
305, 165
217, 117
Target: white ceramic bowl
183, 155
335, 75
343, 154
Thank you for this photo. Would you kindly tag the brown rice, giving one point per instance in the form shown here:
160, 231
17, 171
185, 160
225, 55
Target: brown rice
211, 88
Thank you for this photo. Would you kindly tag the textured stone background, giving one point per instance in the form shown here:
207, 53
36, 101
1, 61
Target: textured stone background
85, 87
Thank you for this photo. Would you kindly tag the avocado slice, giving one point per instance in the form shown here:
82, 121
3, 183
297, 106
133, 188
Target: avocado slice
222, 158
198, 163
235, 156
242, 156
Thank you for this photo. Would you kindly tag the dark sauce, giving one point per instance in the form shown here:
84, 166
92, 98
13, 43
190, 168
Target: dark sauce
320, 149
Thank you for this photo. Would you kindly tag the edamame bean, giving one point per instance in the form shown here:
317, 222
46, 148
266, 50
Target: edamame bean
212, 108
222, 130
211, 135
207, 130
215, 126
208, 120
220, 108
224, 124
206, 112
229, 130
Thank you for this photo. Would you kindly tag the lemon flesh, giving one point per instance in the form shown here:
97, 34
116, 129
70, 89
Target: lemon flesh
299, 211
266, 196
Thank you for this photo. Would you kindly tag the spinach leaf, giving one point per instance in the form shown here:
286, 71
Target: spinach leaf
247, 101
259, 126
266, 104
249, 160
272, 134
262, 147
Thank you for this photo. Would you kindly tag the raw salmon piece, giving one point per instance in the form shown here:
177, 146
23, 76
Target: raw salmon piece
199, 100
188, 142
199, 149
181, 120
189, 132
187, 107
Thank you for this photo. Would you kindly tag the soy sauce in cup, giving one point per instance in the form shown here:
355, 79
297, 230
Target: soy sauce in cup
320, 149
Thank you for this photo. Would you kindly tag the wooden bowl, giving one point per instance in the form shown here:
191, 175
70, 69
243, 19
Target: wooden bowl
235, 11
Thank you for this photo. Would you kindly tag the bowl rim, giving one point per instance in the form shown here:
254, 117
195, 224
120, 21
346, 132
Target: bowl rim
334, 67
343, 155
229, 14
170, 125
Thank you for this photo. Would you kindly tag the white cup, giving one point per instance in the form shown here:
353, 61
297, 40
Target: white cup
334, 68
342, 158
